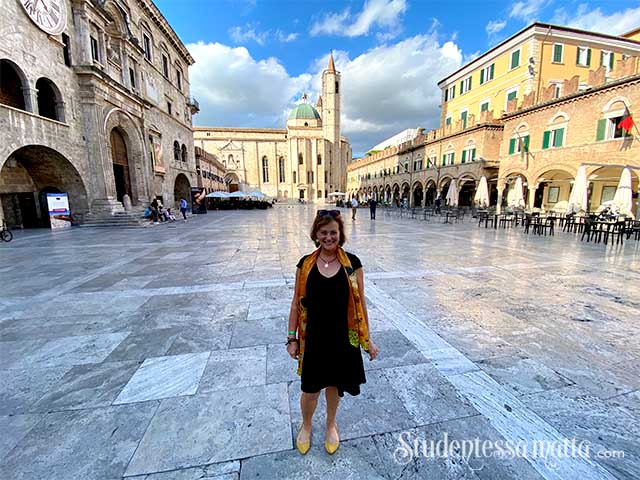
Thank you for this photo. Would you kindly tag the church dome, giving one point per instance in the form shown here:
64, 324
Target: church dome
304, 111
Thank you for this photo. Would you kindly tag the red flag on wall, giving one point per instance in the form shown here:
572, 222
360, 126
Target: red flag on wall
627, 122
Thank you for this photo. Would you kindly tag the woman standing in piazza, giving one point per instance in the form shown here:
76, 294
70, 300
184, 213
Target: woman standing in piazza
328, 324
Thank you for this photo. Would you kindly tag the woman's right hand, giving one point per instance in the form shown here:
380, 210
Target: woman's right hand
292, 349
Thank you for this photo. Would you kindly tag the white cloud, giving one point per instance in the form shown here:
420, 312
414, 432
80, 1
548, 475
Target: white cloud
594, 20
495, 26
383, 14
242, 35
527, 10
385, 90
236, 90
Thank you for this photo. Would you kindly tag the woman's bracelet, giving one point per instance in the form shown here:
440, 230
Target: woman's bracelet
291, 332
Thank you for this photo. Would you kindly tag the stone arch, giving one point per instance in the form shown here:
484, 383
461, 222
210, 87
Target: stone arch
136, 152
417, 194
552, 187
430, 192
559, 118
28, 174
466, 189
612, 103
50, 102
14, 87
182, 188
233, 181
603, 182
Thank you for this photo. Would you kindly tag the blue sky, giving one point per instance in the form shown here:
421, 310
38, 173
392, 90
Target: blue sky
255, 58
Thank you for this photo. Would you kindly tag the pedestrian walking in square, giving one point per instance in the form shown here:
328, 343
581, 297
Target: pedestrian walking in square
372, 208
183, 208
354, 208
328, 323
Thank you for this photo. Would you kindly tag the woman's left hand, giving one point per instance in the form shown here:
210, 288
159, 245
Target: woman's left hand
373, 350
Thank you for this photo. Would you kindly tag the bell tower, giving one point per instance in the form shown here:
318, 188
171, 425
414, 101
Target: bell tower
331, 90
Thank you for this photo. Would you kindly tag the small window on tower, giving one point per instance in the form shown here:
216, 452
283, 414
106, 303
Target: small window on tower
337, 87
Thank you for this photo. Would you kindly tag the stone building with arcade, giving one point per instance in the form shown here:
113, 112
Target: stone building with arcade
95, 103
307, 160
537, 106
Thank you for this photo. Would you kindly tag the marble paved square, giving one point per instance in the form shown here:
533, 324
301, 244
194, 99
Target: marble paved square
158, 353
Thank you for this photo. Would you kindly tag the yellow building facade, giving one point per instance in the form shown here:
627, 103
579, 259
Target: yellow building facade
539, 105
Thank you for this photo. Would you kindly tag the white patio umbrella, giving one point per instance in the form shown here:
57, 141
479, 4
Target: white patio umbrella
623, 197
517, 199
218, 195
481, 198
578, 196
337, 194
257, 194
452, 194
238, 194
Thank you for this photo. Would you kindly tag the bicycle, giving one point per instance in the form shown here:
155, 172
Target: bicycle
5, 233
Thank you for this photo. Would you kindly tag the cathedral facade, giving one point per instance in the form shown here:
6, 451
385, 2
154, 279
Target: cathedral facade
307, 160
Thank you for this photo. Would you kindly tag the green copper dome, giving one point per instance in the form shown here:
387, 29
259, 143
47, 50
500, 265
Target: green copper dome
304, 111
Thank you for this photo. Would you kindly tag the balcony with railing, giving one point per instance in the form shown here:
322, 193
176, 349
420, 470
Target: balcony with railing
193, 105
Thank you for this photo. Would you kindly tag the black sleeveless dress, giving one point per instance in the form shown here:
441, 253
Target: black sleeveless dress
329, 359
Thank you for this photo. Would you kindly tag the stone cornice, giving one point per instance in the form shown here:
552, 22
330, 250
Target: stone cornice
149, 8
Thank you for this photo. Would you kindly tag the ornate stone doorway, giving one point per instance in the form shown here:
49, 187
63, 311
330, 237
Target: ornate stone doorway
120, 165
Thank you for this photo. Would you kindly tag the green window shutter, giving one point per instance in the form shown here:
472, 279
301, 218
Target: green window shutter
463, 117
545, 139
601, 58
611, 62
511, 96
588, 57
484, 107
557, 53
481, 76
512, 146
492, 68
446, 95
461, 87
453, 158
557, 141
578, 56
515, 59
464, 156
470, 82
525, 142
602, 128
444, 159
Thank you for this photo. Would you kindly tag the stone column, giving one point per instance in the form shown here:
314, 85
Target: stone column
501, 185
82, 41
532, 195
30, 99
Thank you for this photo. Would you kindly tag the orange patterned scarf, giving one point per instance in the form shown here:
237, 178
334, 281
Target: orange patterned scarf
358, 331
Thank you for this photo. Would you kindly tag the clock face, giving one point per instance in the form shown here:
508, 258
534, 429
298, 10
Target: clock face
49, 15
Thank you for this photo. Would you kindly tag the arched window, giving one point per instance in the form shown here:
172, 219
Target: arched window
11, 84
469, 152
265, 169
184, 152
176, 151
300, 159
555, 135
614, 112
519, 142
281, 167
49, 101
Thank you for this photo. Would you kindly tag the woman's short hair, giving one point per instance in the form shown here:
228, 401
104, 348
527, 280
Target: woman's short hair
322, 220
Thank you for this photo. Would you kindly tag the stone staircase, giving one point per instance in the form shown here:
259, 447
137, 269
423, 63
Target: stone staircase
123, 219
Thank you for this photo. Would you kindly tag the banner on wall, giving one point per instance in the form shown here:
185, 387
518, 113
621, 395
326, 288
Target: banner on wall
59, 213
198, 200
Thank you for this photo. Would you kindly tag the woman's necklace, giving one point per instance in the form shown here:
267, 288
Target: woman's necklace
327, 262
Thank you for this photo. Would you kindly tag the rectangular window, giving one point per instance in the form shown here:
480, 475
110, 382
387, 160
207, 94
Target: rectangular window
179, 78
165, 66
484, 106
553, 138
169, 110
515, 59
448, 158
512, 95
558, 53
486, 74
608, 129
146, 45
463, 118
265, 170
447, 121
66, 49
606, 60
450, 93
465, 85
583, 57
132, 77
558, 90
519, 144
95, 51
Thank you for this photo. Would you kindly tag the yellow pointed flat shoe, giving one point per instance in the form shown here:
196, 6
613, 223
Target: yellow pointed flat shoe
303, 447
331, 447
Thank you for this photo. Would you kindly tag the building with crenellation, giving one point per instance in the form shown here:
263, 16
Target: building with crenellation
539, 105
